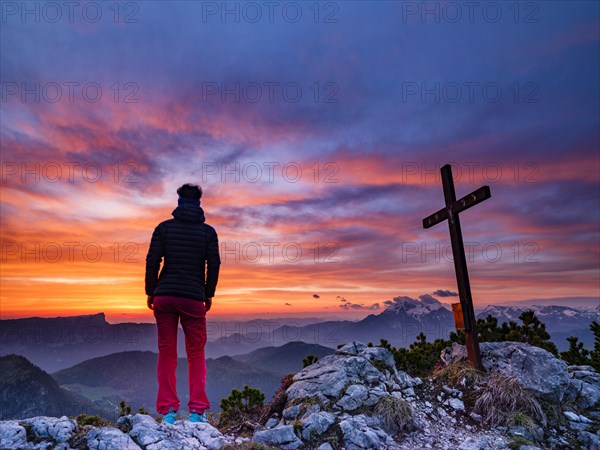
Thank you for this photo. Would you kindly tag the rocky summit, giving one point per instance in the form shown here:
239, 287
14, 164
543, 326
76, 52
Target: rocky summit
137, 431
356, 399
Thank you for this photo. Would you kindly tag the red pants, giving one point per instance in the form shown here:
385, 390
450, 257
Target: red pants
192, 313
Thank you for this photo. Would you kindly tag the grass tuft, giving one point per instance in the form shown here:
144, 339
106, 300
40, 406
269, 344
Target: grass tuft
396, 414
502, 398
248, 445
459, 374
96, 421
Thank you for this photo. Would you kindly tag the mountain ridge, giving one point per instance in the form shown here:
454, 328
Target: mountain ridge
58, 343
27, 390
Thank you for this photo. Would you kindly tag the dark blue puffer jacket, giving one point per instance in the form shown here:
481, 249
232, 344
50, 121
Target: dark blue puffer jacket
190, 249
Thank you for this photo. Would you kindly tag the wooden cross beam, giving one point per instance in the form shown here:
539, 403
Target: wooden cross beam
450, 213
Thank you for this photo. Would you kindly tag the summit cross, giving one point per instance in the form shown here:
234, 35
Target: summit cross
464, 314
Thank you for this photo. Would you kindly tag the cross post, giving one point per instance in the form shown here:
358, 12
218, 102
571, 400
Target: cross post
450, 212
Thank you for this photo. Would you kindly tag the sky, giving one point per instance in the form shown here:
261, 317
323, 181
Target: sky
317, 131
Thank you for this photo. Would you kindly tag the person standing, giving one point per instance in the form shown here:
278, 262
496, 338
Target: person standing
183, 292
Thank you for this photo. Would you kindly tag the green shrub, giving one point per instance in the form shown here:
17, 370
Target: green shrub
124, 409
595, 354
247, 399
576, 354
420, 358
518, 442
248, 446
96, 421
309, 360
531, 331
241, 406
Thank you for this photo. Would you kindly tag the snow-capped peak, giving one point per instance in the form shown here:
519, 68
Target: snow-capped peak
542, 311
425, 304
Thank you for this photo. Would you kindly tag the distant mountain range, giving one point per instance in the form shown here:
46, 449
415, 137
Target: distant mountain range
284, 359
399, 323
95, 364
561, 321
572, 302
27, 391
406, 317
58, 343
97, 385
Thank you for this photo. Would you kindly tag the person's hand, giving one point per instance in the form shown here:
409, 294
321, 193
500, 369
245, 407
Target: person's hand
208, 303
150, 302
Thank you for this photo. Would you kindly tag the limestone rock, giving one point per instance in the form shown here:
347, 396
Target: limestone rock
58, 429
207, 435
282, 437
483, 443
535, 368
272, 422
361, 433
354, 396
106, 438
584, 386
12, 434
455, 403
329, 393
367, 368
591, 441
149, 434
324, 446
316, 424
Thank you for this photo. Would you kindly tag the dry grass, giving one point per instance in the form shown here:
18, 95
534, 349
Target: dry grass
396, 414
502, 399
248, 446
459, 374
520, 419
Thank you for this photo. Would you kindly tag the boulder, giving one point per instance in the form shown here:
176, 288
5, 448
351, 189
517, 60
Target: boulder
584, 387
316, 424
455, 403
151, 435
145, 430
354, 397
107, 438
354, 371
58, 429
362, 432
134, 432
536, 369
12, 434
281, 437
207, 435
272, 422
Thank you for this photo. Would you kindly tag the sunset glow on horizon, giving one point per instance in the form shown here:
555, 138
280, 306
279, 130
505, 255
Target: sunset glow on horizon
318, 197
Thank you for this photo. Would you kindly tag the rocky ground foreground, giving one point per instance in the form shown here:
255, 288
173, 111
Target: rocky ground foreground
357, 399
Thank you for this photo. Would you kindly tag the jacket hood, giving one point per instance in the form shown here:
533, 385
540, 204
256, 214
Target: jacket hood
189, 213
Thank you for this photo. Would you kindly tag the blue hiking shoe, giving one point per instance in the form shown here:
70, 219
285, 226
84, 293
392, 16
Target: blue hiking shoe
170, 417
195, 417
